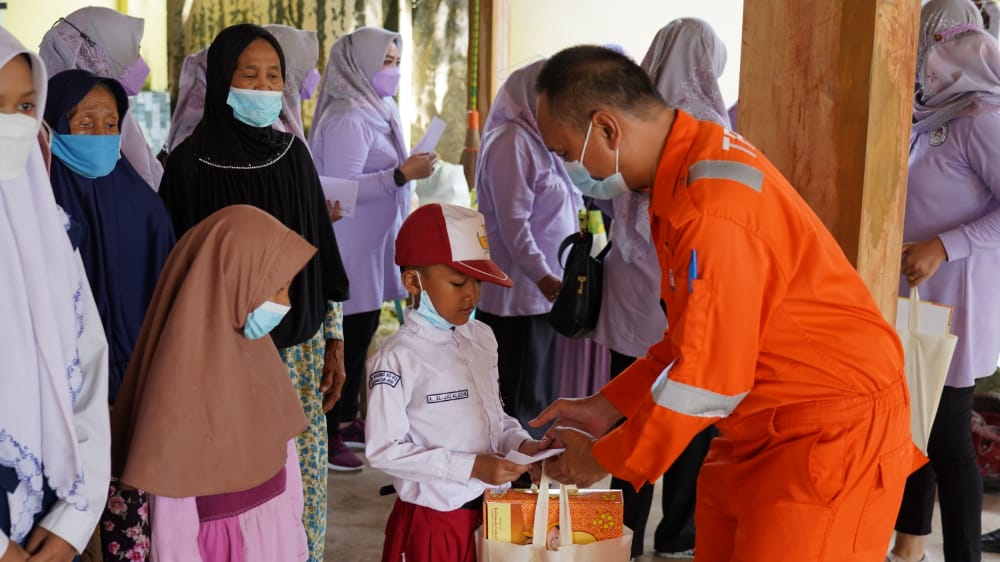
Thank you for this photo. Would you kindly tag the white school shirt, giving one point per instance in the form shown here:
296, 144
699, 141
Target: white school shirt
433, 405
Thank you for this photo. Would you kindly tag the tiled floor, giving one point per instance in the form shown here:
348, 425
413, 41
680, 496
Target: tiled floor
357, 519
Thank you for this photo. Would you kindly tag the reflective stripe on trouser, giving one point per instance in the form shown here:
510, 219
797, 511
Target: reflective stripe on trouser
815, 481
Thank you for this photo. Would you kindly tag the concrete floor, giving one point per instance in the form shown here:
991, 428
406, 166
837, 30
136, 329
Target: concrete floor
357, 519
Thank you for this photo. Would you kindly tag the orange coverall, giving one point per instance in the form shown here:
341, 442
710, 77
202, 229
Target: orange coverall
774, 338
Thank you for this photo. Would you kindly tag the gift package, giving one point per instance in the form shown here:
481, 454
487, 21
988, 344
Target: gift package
509, 515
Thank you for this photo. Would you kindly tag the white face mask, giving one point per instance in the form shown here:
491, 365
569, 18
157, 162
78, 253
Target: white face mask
18, 135
608, 188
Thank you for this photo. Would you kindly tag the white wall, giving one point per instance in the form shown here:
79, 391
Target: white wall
542, 27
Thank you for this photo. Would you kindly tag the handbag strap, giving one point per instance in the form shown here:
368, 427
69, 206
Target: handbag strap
575, 238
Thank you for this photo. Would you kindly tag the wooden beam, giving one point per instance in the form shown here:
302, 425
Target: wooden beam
826, 93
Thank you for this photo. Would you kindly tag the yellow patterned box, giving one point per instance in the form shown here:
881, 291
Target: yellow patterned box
509, 515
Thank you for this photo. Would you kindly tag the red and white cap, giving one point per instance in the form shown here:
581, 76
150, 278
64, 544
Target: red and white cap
451, 235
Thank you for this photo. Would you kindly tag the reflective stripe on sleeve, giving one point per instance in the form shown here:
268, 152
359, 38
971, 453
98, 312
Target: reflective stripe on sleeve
726, 170
691, 400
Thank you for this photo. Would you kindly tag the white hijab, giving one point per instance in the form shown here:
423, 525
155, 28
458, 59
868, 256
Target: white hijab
41, 295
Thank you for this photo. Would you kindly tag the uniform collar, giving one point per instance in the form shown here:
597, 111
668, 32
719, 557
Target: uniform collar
667, 200
429, 332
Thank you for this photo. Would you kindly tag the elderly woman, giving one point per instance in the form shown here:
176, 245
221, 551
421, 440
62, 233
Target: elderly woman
125, 238
357, 135
530, 206
106, 42
236, 156
952, 252
301, 50
53, 377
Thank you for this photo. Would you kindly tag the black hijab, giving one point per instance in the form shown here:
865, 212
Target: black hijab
226, 162
125, 233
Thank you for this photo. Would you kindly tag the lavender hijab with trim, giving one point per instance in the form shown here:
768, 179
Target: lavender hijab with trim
105, 42
684, 61
347, 84
42, 295
958, 65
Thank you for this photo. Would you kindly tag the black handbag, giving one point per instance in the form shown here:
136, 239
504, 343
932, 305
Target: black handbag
575, 311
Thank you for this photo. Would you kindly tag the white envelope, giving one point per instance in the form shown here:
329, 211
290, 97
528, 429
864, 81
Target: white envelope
431, 137
518, 457
345, 191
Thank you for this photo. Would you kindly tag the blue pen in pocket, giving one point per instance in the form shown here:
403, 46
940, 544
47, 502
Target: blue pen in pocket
692, 270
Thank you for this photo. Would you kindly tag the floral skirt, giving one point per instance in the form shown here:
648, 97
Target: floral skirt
125, 525
305, 366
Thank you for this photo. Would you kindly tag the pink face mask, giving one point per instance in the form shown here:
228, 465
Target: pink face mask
309, 84
386, 82
134, 76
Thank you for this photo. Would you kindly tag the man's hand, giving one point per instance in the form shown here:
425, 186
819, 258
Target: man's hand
46, 546
922, 259
594, 414
550, 285
577, 464
334, 373
496, 470
14, 553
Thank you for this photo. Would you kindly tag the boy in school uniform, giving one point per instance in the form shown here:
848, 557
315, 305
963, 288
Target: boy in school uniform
435, 420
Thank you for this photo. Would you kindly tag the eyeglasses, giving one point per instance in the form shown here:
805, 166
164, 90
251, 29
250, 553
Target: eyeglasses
86, 37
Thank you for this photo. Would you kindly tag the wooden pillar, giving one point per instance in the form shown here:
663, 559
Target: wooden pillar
826, 93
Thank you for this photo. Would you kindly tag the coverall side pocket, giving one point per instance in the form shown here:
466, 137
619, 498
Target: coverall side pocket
884, 497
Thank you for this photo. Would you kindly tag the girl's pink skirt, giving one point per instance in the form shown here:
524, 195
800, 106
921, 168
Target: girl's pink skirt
263, 524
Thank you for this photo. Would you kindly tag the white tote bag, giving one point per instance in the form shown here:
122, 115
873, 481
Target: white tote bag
928, 347
610, 550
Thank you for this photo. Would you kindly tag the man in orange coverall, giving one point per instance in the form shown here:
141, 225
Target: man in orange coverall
773, 336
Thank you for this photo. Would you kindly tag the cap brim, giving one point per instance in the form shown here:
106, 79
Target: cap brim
484, 270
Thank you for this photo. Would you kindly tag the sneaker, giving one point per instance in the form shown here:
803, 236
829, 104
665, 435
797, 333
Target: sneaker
689, 553
342, 459
354, 434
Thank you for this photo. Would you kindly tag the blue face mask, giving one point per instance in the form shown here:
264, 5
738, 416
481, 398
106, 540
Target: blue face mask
427, 311
263, 319
91, 156
608, 188
257, 108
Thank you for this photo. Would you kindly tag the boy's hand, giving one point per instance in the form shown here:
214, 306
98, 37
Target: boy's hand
46, 546
14, 553
496, 470
532, 447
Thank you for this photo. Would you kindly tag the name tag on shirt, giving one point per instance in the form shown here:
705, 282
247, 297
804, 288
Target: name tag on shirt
383, 377
447, 396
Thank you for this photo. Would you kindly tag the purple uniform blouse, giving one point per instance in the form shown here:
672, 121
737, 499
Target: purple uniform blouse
347, 146
953, 192
530, 207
